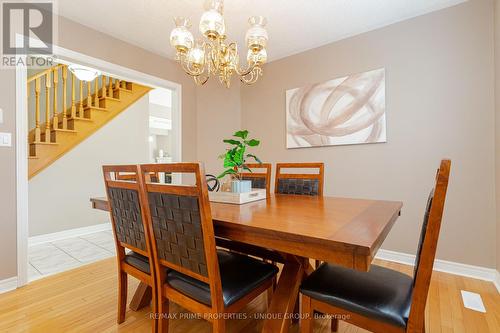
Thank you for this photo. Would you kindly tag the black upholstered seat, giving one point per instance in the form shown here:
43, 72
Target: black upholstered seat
381, 293
138, 261
239, 274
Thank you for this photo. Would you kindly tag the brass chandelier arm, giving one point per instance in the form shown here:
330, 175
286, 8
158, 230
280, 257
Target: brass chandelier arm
187, 67
252, 77
241, 72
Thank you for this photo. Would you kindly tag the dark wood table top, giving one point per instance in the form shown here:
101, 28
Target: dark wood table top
341, 230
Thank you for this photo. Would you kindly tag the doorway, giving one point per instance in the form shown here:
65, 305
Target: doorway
68, 56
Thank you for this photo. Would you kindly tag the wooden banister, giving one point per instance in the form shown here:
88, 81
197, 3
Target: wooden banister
96, 92
80, 104
55, 120
64, 98
48, 85
73, 96
37, 110
44, 72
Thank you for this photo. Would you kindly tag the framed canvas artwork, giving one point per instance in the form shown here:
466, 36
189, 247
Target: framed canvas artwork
343, 111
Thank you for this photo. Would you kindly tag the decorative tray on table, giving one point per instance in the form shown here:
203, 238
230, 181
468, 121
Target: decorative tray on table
238, 198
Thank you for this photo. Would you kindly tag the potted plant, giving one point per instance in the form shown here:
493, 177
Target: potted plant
235, 158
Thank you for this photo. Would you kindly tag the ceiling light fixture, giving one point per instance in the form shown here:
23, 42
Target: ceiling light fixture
214, 56
84, 73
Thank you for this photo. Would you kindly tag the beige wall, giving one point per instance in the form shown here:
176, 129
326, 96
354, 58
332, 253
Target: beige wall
219, 116
8, 178
440, 103
85, 40
74, 178
497, 121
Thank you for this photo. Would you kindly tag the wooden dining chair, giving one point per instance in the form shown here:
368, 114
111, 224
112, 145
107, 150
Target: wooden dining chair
130, 232
155, 178
299, 183
381, 300
261, 180
200, 278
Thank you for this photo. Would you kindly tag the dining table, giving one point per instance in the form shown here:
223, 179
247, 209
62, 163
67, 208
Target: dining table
295, 229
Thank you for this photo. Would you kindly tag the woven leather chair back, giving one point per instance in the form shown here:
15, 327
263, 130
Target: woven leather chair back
180, 221
299, 183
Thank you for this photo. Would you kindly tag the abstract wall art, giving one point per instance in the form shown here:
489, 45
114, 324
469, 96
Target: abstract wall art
343, 111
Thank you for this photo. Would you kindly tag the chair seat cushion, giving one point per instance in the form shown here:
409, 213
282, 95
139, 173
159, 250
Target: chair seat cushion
240, 275
380, 294
138, 261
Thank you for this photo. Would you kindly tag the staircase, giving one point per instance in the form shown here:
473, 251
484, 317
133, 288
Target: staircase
67, 120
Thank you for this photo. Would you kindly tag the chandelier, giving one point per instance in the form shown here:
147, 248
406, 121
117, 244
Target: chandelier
214, 55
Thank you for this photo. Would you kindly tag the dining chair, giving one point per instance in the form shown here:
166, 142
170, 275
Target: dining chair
130, 232
132, 176
380, 300
299, 183
261, 180
200, 278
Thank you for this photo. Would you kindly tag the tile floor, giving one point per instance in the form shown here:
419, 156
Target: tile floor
54, 257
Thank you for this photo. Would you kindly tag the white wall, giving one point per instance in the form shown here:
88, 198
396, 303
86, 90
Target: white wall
59, 195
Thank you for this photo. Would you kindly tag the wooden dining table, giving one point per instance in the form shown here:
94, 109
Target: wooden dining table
342, 231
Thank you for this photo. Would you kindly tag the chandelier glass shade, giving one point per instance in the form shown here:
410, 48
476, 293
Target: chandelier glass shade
213, 55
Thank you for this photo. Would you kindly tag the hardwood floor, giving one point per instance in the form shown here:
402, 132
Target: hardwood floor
84, 300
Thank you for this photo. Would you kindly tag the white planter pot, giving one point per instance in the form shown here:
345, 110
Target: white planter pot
241, 186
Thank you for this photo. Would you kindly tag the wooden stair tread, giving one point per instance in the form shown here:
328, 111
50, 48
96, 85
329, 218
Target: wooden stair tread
95, 108
79, 118
63, 130
43, 143
110, 98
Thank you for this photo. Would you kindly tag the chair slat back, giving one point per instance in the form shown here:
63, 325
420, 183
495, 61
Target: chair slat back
296, 183
180, 222
427, 247
127, 214
260, 180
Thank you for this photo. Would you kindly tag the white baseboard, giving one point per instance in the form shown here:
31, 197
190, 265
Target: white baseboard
497, 281
47, 238
8, 284
475, 272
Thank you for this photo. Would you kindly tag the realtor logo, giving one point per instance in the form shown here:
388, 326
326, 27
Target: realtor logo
32, 20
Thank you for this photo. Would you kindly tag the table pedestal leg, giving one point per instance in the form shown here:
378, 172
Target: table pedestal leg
142, 297
285, 296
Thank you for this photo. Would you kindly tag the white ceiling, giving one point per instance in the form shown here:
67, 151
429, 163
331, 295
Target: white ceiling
293, 25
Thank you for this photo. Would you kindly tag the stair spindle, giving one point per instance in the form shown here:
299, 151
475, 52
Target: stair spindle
55, 119
48, 84
89, 96
103, 94
73, 96
110, 87
80, 105
64, 75
117, 84
37, 110
96, 92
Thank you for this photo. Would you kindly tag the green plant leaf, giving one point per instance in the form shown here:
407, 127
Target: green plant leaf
227, 172
229, 161
239, 156
241, 134
253, 143
247, 168
232, 142
255, 158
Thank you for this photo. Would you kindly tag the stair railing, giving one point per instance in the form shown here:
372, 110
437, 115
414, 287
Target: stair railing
51, 108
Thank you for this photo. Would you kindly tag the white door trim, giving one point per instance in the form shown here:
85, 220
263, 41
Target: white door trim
66, 55
21, 169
